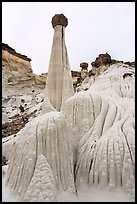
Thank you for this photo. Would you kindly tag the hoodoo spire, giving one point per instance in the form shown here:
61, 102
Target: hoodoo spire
59, 85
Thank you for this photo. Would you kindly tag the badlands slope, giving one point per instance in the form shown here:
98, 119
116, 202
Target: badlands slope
84, 152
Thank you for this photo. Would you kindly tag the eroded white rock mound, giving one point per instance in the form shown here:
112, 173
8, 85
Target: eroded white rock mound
42, 187
46, 137
103, 122
94, 134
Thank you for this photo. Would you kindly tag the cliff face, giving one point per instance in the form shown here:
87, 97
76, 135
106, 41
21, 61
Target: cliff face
17, 73
14, 60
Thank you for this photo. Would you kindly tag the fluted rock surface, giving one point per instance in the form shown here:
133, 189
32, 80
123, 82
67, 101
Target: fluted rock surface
46, 136
97, 126
103, 122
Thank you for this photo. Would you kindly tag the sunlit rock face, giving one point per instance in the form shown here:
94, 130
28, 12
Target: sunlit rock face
16, 69
15, 60
17, 73
59, 85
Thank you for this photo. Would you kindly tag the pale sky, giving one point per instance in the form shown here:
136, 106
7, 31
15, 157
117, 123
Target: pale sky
93, 28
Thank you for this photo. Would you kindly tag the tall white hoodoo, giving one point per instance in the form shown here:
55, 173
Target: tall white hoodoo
59, 85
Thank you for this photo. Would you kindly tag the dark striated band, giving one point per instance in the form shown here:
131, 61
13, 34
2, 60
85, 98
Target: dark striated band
12, 51
59, 19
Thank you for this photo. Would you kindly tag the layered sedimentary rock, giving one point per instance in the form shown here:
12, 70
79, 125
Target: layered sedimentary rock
15, 60
18, 82
16, 68
17, 73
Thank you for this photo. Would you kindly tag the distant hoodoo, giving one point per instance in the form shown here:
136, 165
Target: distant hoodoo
84, 69
84, 65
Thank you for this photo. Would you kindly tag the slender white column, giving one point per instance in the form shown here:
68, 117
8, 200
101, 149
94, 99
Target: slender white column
59, 85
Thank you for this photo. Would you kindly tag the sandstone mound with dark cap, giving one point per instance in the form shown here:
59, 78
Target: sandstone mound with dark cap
102, 59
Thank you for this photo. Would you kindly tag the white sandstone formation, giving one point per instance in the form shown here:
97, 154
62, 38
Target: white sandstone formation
46, 136
59, 85
42, 187
85, 138
103, 123
98, 128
